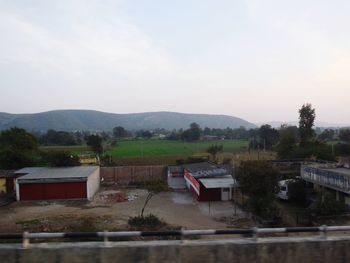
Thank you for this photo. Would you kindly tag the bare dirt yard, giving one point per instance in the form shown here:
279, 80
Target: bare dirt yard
111, 209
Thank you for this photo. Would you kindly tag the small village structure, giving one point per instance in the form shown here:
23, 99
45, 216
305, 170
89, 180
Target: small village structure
329, 176
43, 183
7, 182
207, 181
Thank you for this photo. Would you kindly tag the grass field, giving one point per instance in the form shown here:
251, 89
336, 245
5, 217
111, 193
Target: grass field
165, 152
166, 147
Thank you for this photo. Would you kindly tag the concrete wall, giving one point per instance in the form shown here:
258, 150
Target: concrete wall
235, 250
126, 175
93, 183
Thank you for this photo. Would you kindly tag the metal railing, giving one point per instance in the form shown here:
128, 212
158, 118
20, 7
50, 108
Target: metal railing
106, 235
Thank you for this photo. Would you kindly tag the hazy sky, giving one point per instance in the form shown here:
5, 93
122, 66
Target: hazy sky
259, 60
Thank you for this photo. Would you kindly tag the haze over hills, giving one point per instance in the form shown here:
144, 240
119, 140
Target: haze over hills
277, 124
89, 120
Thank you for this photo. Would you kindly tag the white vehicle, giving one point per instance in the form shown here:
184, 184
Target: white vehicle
283, 189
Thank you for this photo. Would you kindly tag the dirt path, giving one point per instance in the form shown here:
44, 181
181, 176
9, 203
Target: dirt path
175, 208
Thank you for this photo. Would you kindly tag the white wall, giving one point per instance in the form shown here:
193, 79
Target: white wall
17, 191
93, 183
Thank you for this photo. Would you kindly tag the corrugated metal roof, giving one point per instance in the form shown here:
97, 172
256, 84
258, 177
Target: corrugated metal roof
57, 173
218, 182
206, 169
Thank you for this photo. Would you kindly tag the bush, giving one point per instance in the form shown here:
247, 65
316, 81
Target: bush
142, 223
297, 191
191, 160
328, 205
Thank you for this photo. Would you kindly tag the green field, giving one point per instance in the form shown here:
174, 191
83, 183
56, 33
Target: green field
166, 147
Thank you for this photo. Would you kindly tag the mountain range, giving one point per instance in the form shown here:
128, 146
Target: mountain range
89, 120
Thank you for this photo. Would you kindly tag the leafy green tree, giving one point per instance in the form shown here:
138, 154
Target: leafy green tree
192, 134
52, 137
213, 150
344, 135
144, 134
60, 159
326, 205
327, 135
18, 148
259, 180
286, 146
268, 136
119, 132
307, 117
95, 143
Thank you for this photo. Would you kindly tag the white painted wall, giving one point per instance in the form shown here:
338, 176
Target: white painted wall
17, 191
93, 183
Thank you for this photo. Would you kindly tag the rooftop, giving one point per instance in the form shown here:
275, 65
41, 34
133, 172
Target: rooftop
206, 169
219, 182
35, 173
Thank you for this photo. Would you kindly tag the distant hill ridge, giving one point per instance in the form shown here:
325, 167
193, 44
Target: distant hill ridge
90, 120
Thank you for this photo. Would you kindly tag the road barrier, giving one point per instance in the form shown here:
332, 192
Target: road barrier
105, 235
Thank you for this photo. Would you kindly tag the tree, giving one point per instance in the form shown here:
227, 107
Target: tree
326, 204
18, 148
260, 181
327, 135
268, 136
344, 135
286, 146
95, 143
214, 149
52, 137
144, 134
60, 159
306, 122
192, 134
154, 187
119, 132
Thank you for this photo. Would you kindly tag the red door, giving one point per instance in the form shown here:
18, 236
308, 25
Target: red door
47, 191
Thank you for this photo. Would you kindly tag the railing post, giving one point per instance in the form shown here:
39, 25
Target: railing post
26, 240
255, 233
105, 239
323, 234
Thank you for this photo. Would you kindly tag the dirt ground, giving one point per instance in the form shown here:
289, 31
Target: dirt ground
111, 209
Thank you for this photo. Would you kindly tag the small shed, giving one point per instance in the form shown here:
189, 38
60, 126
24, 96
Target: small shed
43, 183
207, 181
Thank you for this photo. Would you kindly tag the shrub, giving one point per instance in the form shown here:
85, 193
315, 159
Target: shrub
327, 205
149, 222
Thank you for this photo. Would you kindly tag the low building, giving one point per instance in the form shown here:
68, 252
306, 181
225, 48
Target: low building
332, 177
43, 183
207, 181
7, 182
2, 184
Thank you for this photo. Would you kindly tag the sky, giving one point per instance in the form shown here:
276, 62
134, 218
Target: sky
258, 60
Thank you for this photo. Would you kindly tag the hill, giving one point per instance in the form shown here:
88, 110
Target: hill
89, 120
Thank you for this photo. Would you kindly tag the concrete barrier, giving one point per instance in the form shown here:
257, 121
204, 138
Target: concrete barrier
286, 250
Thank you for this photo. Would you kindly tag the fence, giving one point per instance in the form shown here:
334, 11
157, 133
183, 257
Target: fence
105, 235
126, 175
